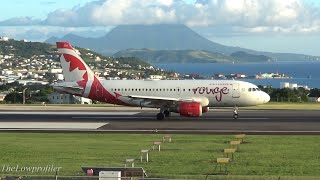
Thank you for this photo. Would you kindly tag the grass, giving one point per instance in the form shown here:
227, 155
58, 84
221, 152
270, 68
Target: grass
286, 105
189, 156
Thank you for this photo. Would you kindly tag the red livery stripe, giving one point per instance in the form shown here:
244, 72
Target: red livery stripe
64, 45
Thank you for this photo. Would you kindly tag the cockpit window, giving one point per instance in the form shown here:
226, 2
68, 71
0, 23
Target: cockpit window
253, 89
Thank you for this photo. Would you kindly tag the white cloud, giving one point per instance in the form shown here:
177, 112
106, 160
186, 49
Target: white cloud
42, 33
248, 15
20, 21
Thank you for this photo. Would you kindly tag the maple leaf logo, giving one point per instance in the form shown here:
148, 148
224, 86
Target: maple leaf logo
117, 95
73, 68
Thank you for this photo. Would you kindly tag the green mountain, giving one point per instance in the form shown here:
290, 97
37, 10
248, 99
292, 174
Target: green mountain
189, 56
241, 56
165, 37
26, 50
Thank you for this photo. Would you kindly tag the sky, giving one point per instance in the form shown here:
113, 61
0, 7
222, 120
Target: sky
270, 25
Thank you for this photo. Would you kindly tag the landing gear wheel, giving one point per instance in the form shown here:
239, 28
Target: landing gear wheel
160, 116
235, 116
166, 113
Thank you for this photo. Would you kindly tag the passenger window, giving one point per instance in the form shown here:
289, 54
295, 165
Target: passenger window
111, 89
254, 89
170, 89
139, 89
125, 89
189, 89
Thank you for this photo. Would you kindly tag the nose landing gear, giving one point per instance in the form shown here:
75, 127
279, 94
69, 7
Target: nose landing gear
235, 113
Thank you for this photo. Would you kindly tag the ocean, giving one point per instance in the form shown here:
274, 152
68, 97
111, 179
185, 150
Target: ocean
302, 73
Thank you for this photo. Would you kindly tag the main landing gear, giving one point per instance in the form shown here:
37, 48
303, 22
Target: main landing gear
162, 114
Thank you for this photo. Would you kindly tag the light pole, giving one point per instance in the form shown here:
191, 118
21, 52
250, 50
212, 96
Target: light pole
24, 95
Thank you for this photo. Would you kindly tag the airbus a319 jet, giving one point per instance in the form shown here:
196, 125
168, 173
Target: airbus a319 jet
189, 98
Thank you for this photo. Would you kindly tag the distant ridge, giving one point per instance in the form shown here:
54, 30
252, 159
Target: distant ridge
164, 37
190, 56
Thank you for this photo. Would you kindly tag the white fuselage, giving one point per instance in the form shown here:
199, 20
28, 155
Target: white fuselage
219, 93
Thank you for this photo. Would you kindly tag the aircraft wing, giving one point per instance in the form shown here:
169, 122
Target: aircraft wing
161, 100
67, 87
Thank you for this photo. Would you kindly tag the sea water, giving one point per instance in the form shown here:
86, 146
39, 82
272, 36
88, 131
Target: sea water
302, 73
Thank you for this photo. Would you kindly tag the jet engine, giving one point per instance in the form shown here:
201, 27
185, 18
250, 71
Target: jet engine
190, 109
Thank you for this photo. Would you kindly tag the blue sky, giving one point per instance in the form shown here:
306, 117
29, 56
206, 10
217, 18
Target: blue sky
272, 25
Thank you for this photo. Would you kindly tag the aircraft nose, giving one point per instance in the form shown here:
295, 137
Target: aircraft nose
266, 98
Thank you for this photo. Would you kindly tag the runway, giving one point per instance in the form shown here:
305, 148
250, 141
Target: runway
218, 121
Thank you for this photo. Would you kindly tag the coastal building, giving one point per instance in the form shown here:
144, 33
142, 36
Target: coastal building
292, 86
57, 98
4, 39
272, 75
156, 77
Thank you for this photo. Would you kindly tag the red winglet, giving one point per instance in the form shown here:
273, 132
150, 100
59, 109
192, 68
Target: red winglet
64, 45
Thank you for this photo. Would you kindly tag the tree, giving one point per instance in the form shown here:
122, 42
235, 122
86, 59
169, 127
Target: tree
13, 98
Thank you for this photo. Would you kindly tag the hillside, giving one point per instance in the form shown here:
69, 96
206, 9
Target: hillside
27, 50
160, 37
164, 37
189, 56
241, 56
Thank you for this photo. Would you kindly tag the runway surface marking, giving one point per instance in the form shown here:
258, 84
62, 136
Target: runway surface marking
113, 117
165, 131
51, 125
66, 113
145, 117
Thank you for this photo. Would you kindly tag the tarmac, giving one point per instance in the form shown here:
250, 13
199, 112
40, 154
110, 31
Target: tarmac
116, 119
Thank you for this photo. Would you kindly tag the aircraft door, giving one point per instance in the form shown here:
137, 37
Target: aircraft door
235, 90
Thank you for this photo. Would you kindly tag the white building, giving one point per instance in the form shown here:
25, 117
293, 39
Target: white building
156, 77
291, 85
30, 81
4, 39
59, 76
57, 98
55, 71
7, 72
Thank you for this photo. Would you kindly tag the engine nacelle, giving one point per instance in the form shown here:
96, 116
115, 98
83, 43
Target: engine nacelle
190, 109
205, 109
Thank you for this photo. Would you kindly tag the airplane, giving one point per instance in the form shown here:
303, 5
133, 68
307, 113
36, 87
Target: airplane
189, 98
